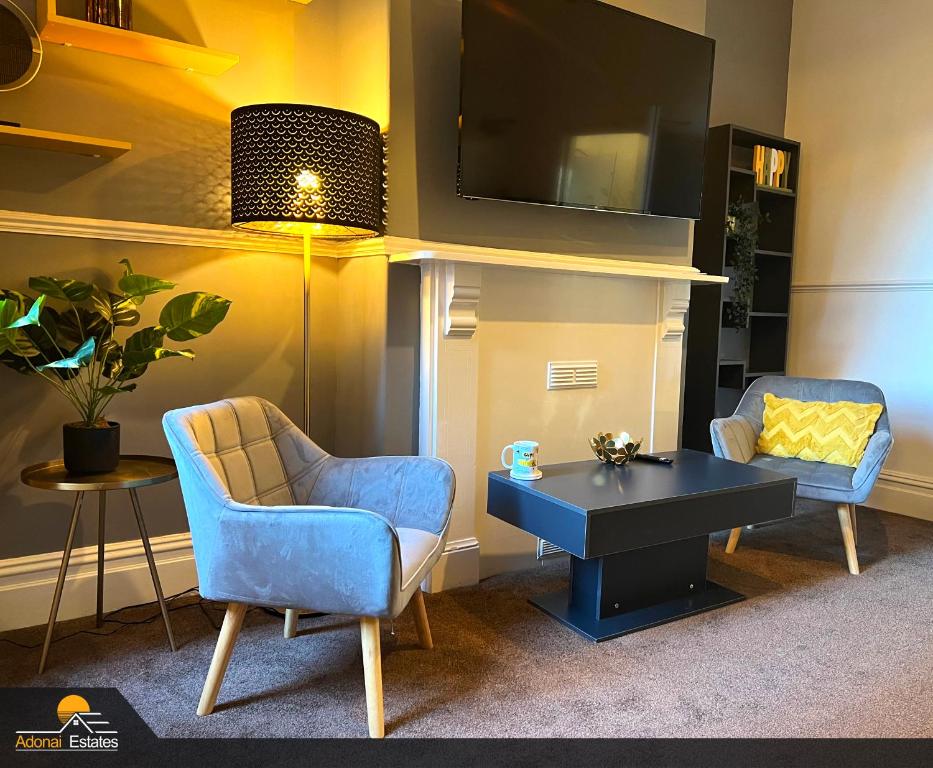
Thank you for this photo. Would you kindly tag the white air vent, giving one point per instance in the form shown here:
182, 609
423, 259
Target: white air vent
546, 549
571, 374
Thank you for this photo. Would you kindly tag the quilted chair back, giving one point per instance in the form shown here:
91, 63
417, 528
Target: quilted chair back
247, 450
752, 405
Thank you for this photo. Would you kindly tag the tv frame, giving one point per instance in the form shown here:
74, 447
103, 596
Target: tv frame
575, 206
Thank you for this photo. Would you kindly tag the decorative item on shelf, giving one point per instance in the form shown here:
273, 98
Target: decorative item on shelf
67, 336
742, 231
112, 13
20, 48
771, 166
615, 450
307, 171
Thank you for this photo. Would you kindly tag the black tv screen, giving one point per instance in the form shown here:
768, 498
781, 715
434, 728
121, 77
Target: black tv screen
577, 103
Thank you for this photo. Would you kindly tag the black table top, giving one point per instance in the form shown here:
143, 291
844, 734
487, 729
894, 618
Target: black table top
590, 487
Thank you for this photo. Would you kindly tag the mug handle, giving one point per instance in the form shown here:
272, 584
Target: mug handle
507, 448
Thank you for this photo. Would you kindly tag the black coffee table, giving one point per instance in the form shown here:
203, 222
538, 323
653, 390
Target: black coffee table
638, 535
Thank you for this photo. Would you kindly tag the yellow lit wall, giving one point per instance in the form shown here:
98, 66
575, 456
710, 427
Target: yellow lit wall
329, 52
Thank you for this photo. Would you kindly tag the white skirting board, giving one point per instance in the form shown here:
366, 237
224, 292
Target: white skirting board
458, 567
903, 494
27, 583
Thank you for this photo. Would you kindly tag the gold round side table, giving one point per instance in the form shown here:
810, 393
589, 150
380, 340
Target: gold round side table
132, 472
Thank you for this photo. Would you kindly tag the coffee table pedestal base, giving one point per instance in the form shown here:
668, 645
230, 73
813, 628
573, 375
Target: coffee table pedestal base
556, 604
620, 593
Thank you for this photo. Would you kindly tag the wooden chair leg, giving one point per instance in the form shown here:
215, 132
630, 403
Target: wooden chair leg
733, 540
291, 623
233, 620
421, 620
852, 514
848, 537
372, 672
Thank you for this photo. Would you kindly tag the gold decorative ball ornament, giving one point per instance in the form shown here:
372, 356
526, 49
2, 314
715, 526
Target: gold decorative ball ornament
615, 450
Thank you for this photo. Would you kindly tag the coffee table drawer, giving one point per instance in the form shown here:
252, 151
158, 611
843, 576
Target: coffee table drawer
563, 525
686, 517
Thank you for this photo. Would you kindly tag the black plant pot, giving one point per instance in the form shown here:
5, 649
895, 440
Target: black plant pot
91, 450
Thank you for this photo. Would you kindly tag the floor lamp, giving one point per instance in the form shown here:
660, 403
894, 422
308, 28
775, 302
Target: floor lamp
302, 170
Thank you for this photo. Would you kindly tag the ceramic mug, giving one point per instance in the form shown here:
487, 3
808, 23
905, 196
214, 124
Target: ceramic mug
524, 464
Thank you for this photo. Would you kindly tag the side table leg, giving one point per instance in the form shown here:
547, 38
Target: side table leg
152, 566
101, 516
59, 585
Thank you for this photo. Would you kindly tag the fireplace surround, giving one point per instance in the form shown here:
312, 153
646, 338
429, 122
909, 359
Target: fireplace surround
491, 318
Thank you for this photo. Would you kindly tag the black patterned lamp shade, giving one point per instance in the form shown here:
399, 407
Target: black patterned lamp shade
298, 169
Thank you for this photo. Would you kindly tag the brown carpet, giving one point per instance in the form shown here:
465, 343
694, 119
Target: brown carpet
812, 652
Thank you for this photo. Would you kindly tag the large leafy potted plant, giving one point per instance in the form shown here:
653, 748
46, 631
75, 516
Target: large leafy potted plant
67, 335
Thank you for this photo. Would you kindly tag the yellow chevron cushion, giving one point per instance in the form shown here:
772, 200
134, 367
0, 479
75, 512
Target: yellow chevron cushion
834, 433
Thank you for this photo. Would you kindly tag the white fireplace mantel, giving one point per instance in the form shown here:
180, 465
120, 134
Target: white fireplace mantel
553, 262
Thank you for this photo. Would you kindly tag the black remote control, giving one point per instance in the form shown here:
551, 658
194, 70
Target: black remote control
655, 459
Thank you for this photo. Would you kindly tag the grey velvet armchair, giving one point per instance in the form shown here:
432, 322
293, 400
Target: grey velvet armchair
276, 521
735, 438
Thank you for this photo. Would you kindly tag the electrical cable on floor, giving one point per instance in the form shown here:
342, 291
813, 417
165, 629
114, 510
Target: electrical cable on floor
109, 618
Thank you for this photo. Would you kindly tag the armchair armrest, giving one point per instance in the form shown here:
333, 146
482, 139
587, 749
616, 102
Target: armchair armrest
336, 560
408, 491
877, 450
734, 438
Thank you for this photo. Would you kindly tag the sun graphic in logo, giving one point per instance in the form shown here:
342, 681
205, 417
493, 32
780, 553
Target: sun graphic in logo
70, 705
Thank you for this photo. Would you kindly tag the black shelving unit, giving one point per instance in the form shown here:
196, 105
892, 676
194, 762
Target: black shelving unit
722, 360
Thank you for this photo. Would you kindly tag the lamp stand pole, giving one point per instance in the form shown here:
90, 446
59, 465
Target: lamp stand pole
306, 360
292, 614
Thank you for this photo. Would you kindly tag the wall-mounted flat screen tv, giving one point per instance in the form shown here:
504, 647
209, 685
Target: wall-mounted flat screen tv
580, 104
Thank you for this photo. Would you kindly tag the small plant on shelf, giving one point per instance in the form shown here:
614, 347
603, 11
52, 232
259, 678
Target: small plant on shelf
742, 231
67, 335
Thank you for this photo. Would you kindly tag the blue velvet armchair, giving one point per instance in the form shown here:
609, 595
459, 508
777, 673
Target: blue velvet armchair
276, 521
735, 438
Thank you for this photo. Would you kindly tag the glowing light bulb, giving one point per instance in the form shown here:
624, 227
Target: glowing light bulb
308, 180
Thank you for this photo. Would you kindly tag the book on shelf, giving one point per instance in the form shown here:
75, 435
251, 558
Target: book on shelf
771, 166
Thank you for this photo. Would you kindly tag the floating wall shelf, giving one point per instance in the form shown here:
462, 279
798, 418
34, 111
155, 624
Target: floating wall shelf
773, 190
132, 45
62, 142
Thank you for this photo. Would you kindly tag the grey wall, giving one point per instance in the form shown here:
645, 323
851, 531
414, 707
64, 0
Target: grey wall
861, 105
424, 71
752, 50
750, 88
403, 349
